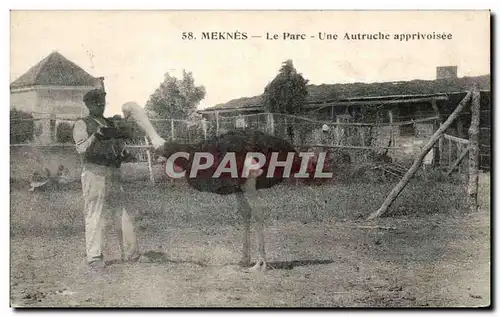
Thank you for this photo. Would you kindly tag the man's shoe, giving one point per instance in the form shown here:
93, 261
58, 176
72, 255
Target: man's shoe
97, 264
134, 259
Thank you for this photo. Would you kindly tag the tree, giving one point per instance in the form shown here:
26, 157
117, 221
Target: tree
175, 99
64, 133
286, 93
21, 126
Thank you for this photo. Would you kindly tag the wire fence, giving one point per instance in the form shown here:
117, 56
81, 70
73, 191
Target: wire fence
48, 132
358, 143
390, 138
300, 131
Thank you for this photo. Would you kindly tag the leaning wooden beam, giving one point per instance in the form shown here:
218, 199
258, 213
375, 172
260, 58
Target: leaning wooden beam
457, 161
356, 147
418, 159
474, 149
455, 139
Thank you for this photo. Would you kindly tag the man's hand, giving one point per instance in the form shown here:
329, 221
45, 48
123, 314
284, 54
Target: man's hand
106, 133
100, 133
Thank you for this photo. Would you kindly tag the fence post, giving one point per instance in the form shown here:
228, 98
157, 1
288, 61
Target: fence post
450, 153
150, 163
474, 148
172, 130
285, 136
270, 123
204, 127
391, 135
216, 122
459, 151
418, 159
439, 149
363, 144
337, 132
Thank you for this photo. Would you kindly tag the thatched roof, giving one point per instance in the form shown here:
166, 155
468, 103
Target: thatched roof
54, 70
340, 92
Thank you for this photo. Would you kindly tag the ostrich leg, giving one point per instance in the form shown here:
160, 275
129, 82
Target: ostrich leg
246, 213
253, 199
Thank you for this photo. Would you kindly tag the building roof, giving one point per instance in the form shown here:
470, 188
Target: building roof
334, 93
54, 70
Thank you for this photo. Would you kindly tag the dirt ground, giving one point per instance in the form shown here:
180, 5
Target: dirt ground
430, 251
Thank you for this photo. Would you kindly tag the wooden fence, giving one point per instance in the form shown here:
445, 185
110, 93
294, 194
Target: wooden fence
454, 150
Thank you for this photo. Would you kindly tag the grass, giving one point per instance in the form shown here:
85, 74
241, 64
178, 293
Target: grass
179, 206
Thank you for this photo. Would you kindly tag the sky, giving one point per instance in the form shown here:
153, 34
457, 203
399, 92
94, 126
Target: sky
134, 49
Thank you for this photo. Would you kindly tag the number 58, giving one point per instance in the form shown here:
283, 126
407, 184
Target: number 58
187, 35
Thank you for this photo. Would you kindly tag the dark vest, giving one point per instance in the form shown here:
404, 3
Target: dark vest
103, 152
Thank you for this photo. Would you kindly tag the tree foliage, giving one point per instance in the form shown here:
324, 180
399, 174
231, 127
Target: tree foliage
286, 93
21, 126
175, 98
64, 133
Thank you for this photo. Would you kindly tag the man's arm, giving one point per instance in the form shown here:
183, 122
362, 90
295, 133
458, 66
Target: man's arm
81, 137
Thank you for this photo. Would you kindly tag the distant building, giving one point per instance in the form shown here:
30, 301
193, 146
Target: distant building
446, 72
380, 102
52, 89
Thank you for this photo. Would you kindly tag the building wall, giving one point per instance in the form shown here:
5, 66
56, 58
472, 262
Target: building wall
50, 105
64, 103
24, 101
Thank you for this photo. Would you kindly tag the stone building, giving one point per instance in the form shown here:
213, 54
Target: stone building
52, 91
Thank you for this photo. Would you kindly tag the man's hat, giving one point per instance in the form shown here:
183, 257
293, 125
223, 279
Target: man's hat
93, 95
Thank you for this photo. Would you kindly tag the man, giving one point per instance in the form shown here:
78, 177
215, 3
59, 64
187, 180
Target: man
325, 135
101, 150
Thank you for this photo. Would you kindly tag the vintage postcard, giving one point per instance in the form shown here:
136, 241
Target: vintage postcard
250, 159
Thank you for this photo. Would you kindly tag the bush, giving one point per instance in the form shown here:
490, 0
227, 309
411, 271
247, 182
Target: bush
64, 133
21, 127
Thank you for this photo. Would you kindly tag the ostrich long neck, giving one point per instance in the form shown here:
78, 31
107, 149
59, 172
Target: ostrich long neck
134, 111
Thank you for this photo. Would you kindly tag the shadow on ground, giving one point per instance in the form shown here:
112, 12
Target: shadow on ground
161, 257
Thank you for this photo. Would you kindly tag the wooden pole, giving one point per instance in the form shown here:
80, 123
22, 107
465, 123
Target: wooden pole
363, 144
455, 139
450, 152
474, 149
438, 149
270, 121
172, 130
150, 163
418, 159
460, 147
327, 146
204, 127
286, 125
441, 151
337, 133
216, 122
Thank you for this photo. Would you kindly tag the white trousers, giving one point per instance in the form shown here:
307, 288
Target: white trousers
103, 194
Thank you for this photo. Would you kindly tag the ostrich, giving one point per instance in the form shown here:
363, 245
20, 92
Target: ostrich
238, 144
